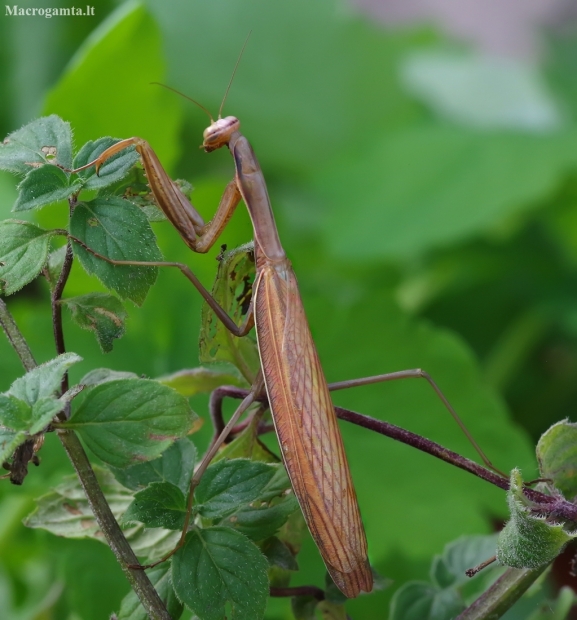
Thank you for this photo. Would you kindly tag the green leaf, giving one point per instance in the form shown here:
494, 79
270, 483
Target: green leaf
259, 521
441, 575
293, 531
528, 540
557, 456
101, 313
23, 253
55, 264
161, 504
14, 413
118, 230
45, 140
217, 565
113, 170
152, 543
44, 380
449, 589
232, 290
103, 375
482, 91
200, 380
262, 521
43, 410
131, 608
290, 536
21, 419
176, 465
131, 420
65, 511
423, 601
134, 187
43, 186
252, 497
9, 441
226, 484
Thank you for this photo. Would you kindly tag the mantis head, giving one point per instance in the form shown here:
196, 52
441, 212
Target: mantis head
219, 132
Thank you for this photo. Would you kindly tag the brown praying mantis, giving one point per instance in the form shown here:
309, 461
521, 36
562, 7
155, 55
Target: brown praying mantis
297, 391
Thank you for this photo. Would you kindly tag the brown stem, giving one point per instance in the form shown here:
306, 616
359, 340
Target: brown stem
57, 312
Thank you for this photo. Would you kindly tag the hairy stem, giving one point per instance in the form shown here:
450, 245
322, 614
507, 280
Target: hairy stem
15, 337
501, 596
138, 579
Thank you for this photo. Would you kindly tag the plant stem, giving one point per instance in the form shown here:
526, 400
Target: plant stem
501, 596
16, 338
138, 579
57, 312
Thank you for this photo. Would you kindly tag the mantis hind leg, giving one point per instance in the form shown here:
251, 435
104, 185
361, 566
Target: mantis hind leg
418, 373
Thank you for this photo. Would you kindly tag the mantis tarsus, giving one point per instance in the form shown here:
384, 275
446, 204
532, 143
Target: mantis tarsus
297, 391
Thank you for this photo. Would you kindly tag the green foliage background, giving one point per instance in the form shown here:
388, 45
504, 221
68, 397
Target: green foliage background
418, 240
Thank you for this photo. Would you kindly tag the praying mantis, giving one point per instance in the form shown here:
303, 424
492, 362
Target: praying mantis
297, 390
291, 374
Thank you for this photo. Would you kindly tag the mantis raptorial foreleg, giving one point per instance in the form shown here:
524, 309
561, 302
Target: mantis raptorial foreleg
197, 235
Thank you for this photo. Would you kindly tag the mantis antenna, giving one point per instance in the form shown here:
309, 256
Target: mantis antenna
225, 93
233, 74
186, 97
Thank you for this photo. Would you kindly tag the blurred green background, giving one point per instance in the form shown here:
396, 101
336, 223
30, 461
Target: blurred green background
427, 196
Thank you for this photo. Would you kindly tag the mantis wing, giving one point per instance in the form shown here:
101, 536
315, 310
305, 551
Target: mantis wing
307, 429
